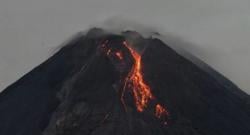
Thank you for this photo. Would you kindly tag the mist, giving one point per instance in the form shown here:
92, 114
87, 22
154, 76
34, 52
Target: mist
215, 31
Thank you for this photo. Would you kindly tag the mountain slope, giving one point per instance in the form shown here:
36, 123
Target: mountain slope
89, 87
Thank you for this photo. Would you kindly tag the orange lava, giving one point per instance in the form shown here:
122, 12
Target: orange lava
140, 90
160, 111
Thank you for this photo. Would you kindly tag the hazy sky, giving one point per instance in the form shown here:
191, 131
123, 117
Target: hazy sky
218, 31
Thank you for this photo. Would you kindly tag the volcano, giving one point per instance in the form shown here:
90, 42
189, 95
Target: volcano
102, 83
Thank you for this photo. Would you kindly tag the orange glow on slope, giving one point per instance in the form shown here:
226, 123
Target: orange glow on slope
160, 111
141, 91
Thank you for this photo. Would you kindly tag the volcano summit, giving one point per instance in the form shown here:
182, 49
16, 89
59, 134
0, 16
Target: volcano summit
122, 84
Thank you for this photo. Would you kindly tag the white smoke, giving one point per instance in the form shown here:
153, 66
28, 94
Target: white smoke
216, 31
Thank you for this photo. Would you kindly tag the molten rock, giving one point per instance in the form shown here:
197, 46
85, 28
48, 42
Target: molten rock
107, 84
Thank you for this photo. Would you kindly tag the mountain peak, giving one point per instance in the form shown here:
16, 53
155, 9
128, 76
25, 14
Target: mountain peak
105, 83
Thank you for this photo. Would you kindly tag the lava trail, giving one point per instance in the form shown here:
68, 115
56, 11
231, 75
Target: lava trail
141, 91
135, 83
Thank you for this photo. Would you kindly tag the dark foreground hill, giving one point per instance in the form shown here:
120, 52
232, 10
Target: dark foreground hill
108, 84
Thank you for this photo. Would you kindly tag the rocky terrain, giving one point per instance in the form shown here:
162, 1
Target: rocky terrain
122, 84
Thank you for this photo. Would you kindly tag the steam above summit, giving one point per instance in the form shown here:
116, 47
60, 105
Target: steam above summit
111, 84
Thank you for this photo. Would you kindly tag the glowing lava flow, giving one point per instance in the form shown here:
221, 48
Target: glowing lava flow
134, 81
141, 91
160, 111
